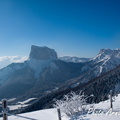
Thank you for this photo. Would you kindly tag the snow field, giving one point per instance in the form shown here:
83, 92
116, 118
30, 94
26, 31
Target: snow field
49, 114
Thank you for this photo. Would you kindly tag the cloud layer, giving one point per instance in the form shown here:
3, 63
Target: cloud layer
6, 60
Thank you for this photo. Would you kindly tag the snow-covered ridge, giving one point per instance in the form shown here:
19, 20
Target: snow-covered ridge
106, 54
73, 59
107, 59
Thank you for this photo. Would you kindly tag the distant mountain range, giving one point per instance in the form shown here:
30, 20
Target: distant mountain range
44, 73
99, 88
73, 59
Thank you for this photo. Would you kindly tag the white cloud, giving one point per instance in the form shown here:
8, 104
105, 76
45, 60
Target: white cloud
6, 60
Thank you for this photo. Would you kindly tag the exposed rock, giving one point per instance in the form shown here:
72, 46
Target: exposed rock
42, 53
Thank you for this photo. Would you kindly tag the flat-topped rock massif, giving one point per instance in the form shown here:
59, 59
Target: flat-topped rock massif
42, 53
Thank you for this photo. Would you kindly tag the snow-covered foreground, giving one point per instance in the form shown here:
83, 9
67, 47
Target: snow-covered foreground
99, 117
105, 105
51, 114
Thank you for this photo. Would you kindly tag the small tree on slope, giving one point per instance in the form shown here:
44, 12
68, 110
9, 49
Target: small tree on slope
72, 103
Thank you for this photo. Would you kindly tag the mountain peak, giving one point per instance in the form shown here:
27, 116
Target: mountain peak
42, 53
105, 53
109, 51
107, 59
105, 50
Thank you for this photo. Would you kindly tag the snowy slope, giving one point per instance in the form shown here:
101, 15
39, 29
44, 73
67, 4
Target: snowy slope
105, 105
51, 114
99, 117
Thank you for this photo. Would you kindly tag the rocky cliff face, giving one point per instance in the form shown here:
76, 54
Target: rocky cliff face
42, 53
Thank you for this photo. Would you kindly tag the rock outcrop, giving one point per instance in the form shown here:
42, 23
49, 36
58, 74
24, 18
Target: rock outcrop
42, 53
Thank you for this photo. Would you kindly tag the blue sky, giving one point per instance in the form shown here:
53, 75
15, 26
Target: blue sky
71, 27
